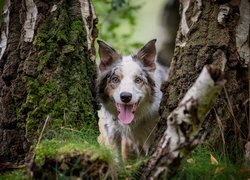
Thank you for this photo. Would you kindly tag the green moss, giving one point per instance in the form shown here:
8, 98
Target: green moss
46, 149
70, 156
62, 89
70, 141
68, 49
20, 174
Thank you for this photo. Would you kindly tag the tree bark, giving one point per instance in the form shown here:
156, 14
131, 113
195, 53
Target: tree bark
47, 69
210, 32
184, 123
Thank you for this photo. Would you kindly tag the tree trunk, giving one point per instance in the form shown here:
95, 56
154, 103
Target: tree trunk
184, 123
210, 32
47, 69
169, 22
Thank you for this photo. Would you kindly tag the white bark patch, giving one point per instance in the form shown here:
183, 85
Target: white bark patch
158, 172
196, 14
5, 31
184, 25
224, 11
54, 8
88, 16
181, 44
198, 91
223, 61
203, 92
242, 32
30, 22
196, 11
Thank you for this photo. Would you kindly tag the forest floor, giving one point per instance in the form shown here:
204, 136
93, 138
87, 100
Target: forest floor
64, 157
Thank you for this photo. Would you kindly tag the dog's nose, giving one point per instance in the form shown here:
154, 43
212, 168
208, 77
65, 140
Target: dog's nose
126, 97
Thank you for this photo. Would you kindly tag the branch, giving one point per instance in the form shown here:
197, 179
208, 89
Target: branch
184, 124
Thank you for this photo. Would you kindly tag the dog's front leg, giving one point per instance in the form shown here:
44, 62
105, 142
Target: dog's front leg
129, 149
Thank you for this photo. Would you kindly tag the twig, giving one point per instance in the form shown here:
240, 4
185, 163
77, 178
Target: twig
221, 130
41, 134
39, 140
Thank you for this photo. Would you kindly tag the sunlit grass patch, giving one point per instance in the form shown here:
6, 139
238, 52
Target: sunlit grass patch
206, 163
20, 174
72, 153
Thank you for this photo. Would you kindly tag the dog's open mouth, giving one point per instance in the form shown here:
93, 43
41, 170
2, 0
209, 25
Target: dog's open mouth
126, 112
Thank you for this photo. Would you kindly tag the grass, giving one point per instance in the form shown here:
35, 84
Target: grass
205, 163
130, 170
72, 141
20, 174
71, 153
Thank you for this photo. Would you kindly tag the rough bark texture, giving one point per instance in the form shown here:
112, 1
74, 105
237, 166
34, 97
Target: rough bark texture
184, 123
207, 35
46, 70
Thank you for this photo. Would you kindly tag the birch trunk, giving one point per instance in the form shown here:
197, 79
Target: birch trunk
213, 33
184, 123
210, 32
47, 68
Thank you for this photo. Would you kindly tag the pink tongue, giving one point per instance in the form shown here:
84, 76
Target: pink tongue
126, 114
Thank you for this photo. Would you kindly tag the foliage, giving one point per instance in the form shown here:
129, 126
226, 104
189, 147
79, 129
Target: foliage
19, 174
117, 22
206, 163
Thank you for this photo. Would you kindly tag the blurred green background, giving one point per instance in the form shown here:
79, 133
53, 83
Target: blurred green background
126, 25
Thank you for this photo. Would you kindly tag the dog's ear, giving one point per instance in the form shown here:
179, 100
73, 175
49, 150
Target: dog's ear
107, 55
147, 55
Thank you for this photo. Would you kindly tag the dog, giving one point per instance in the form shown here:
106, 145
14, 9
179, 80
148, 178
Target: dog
128, 88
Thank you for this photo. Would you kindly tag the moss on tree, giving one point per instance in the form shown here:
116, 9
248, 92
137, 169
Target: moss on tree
60, 105
61, 88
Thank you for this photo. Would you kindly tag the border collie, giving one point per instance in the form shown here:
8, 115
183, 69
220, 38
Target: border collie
129, 92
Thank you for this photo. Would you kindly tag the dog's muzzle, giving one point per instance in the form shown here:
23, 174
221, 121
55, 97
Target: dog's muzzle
126, 97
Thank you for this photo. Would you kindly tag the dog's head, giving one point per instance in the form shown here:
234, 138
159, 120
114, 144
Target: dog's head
126, 83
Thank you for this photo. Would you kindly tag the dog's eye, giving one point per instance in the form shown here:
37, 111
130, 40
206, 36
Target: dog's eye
115, 79
138, 80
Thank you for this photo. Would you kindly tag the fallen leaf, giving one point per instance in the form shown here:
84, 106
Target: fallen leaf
190, 161
219, 170
213, 160
128, 167
245, 170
